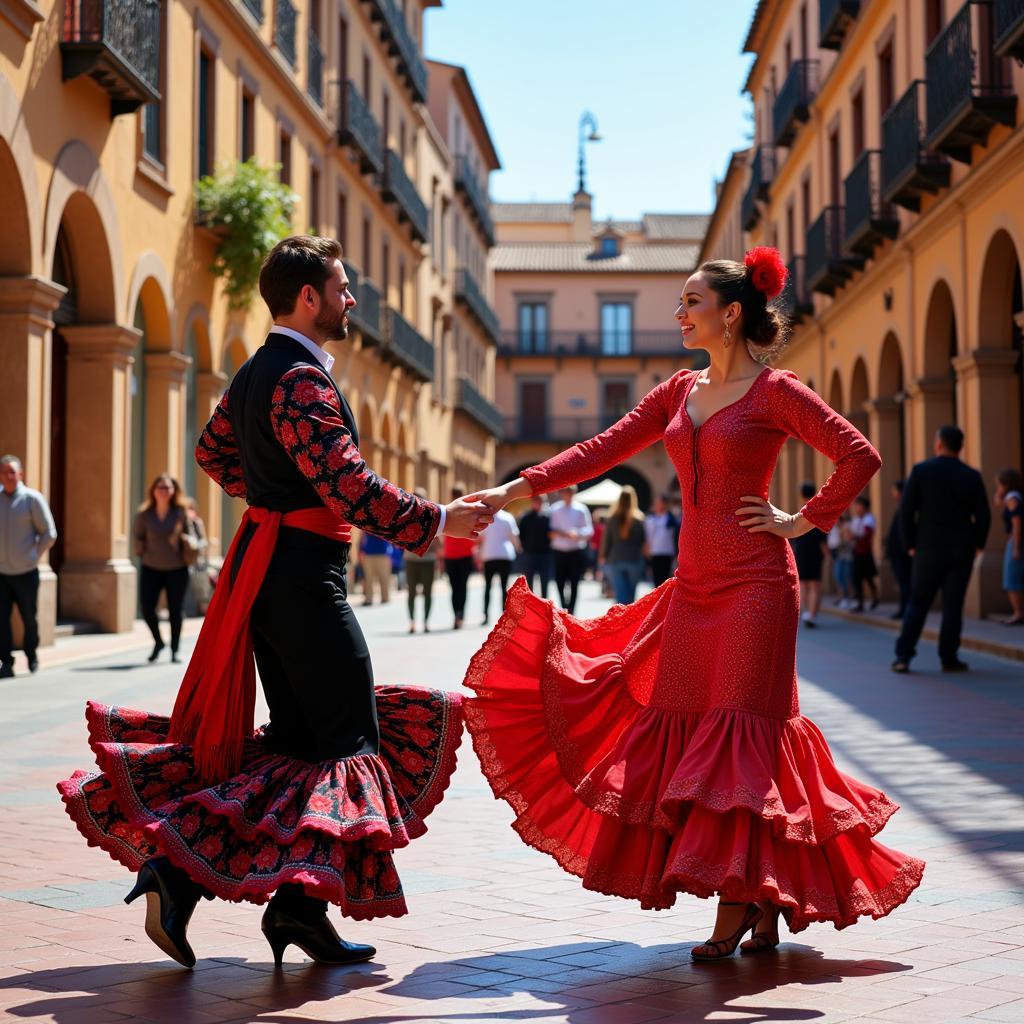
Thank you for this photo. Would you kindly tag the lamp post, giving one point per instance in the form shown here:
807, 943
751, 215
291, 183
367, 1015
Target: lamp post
587, 123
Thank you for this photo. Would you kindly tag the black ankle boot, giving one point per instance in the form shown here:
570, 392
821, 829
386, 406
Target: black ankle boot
316, 939
157, 648
171, 896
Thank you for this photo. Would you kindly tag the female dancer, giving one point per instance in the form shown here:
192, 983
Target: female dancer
660, 748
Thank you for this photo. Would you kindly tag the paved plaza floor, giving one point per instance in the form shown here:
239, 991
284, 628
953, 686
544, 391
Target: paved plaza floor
497, 932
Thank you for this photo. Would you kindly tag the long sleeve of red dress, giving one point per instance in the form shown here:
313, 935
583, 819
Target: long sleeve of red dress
803, 415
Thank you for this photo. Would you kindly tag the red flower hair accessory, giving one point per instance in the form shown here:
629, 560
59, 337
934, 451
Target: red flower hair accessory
767, 271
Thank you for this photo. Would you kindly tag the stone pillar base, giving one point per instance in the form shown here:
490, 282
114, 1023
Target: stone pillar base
102, 592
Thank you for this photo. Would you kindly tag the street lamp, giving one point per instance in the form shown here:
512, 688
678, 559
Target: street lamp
587, 121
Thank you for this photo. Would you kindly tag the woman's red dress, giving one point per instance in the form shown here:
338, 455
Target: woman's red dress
660, 748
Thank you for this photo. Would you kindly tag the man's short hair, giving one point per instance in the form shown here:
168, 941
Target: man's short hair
292, 264
11, 460
951, 438
862, 499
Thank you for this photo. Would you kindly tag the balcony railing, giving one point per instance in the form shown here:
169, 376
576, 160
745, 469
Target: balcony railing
908, 169
796, 302
365, 315
468, 292
834, 20
967, 94
762, 171
554, 429
255, 8
395, 35
828, 265
117, 43
315, 69
869, 218
359, 129
407, 347
466, 182
285, 18
472, 403
592, 344
1010, 28
397, 187
793, 104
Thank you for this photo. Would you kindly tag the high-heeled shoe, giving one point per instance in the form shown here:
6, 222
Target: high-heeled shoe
171, 897
764, 940
319, 941
726, 947
157, 648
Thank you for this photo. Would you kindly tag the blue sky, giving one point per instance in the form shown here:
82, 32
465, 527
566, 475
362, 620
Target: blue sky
661, 76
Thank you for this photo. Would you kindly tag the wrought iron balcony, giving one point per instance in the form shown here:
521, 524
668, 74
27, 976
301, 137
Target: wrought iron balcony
869, 218
397, 188
796, 301
404, 345
554, 429
828, 265
117, 43
315, 69
285, 17
485, 412
762, 171
365, 315
479, 202
592, 344
793, 104
255, 8
908, 169
394, 33
834, 20
967, 95
1010, 28
359, 129
468, 292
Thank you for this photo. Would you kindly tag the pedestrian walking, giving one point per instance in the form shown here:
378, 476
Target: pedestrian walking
660, 748
662, 529
944, 519
534, 535
896, 552
624, 546
161, 524
809, 551
459, 563
571, 530
863, 527
497, 550
27, 532
375, 554
1010, 501
840, 546
420, 573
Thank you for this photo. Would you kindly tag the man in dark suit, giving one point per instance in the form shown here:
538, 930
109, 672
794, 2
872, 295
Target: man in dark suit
944, 520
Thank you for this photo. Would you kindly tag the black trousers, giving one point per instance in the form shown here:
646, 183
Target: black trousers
934, 570
459, 570
537, 564
21, 590
901, 569
661, 568
499, 567
175, 582
569, 568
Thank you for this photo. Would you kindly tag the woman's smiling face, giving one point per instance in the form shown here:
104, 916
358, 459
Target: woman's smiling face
701, 318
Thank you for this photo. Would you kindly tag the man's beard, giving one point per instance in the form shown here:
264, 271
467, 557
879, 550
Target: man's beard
331, 323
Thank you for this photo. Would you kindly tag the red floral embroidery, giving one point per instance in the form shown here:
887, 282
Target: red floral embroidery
217, 452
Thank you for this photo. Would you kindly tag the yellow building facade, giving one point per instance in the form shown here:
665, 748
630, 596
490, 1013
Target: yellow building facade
115, 339
888, 166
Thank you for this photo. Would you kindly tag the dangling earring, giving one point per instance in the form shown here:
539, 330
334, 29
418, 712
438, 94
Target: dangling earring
728, 334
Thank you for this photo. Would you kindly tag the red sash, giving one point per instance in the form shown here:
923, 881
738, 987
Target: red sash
217, 700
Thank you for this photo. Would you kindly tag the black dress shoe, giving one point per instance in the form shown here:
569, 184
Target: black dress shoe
174, 657
157, 648
318, 940
6, 671
33, 664
171, 896
956, 665
901, 666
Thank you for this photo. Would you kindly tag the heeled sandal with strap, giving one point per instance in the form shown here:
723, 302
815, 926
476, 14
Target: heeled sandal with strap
762, 942
725, 948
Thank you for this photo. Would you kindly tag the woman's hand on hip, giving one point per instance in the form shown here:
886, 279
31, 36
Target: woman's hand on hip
763, 517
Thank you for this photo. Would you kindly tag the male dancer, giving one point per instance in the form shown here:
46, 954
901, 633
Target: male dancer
310, 808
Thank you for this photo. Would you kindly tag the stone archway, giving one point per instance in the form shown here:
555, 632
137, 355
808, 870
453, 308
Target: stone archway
406, 461
386, 459
933, 396
835, 391
627, 475
860, 391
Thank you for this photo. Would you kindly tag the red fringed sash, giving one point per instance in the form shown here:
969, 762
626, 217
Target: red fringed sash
217, 700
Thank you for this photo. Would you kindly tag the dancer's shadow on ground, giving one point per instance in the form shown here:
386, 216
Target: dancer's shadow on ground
558, 977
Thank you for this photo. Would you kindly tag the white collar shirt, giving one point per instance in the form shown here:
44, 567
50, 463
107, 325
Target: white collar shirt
325, 359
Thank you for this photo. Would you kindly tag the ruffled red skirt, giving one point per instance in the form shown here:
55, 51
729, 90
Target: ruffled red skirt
645, 803
330, 826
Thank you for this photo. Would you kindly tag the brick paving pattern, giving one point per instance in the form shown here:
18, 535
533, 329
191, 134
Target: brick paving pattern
497, 932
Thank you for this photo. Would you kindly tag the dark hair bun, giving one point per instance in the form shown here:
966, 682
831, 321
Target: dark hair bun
763, 325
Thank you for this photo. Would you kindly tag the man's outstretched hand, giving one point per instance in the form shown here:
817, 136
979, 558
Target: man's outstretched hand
464, 518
